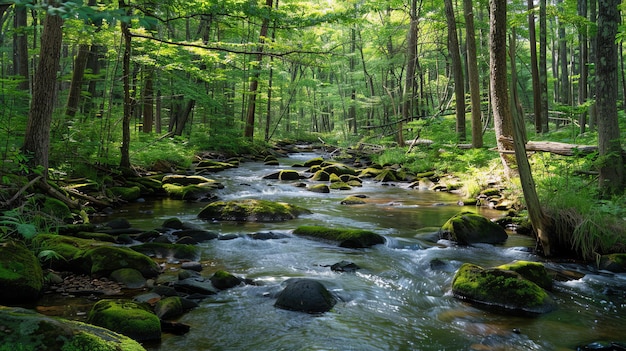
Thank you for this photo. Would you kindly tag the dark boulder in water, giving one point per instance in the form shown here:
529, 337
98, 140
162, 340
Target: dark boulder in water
305, 295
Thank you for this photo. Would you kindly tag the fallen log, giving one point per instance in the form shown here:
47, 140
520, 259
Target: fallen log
563, 149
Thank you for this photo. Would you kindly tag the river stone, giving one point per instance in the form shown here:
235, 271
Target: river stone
352, 200
338, 168
184, 180
319, 188
305, 295
195, 285
173, 307
126, 317
24, 329
344, 266
288, 174
198, 235
316, 161
468, 228
615, 263
321, 176
386, 175
223, 280
21, 277
534, 271
350, 238
251, 210
106, 259
501, 290
169, 251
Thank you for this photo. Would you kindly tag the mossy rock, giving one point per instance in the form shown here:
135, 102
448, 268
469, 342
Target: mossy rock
349, 178
319, 188
167, 250
490, 192
251, 210
173, 307
21, 277
130, 193
614, 262
501, 290
288, 174
338, 168
223, 280
24, 329
340, 186
106, 259
533, 271
305, 295
352, 200
56, 208
127, 318
316, 161
213, 166
173, 223
183, 180
350, 238
68, 251
130, 277
190, 192
95, 236
321, 176
370, 172
386, 175
468, 228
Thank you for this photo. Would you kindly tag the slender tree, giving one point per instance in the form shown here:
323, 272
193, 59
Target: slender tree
534, 68
126, 73
20, 47
543, 64
472, 75
409, 79
611, 160
457, 70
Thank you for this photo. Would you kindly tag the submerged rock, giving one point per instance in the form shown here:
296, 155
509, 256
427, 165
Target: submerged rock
173, 307
24, 329
250, 210
126, 317
223, 280
500, 289
350, 238
21, 277
305, 295
468, 228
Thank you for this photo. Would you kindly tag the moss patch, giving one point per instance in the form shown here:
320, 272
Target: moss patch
352, 238
250, 210
21, 277
533, 271
500, 289
469, 228
126, 317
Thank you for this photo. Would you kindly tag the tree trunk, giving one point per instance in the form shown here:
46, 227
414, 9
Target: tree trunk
20, 47
498, 83
611, 165
543, 64
472, 74
534, 69
501, 111
457, 71
125, 148
584, 69
37, 138
183, 117
409, 79
564, 91
593, 113
148, 100
254, 82
516, 106
80, 64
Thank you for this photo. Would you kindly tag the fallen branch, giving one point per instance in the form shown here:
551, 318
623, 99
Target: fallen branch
19, 193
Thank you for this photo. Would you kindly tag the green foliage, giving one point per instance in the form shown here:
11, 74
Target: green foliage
14, 224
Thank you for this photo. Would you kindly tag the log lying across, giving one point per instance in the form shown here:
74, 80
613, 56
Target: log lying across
560, 148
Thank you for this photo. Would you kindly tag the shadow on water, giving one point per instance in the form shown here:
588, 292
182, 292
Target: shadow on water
400, 298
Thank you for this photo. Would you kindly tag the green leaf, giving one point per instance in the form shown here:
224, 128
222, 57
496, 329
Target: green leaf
27, 230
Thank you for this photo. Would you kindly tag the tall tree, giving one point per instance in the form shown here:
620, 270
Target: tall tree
543, 64
534, 69
37, 138
254, 81
20, 47
457, 70
501, 112
472, 75
80, 64
609, 146
125, 148
583, 86
409, 81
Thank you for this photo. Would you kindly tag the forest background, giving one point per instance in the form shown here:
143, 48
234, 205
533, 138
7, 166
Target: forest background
90, 87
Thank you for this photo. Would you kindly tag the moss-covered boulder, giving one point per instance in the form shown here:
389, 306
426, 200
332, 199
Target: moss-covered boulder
103, 260
350, 238
614, 262
534, 271
370, 172
56, 208
340, 186
468, 228
500, 289
305, 295
21, 277
183, 180
223, 280
352, 200
319, 188
192, 192
321, 176
288, 174
24, 329
126, 317
251, 210
338, 168
316, 161
126, 193
213, 166
173, 307
386, 175
130, 277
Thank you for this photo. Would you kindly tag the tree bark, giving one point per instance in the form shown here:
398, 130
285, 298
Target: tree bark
125, 148
457, 71
583, 87
20, 47
148, 100
80, 64
409, 79
543, 64
501, 112
609, 146
472, 74
37, 138
534, 69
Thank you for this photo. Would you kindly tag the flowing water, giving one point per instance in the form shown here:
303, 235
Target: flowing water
400, 298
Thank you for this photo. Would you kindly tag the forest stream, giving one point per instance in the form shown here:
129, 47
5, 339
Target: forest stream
400, 297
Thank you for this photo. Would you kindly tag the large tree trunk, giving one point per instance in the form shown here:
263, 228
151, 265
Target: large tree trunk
611, 165
37, 138
501, 111
409, 80
584, 70
457, 71
20, 47
543, 64
148, 100
472, 74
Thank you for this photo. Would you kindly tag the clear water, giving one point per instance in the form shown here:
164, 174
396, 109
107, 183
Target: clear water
397, 301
